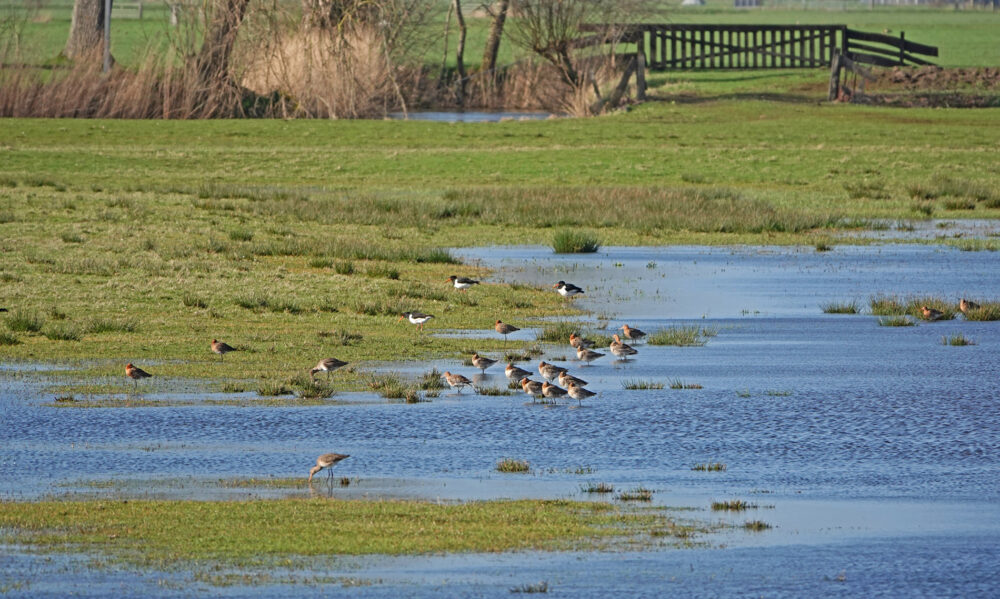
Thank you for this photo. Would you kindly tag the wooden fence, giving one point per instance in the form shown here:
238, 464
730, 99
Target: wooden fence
700, 47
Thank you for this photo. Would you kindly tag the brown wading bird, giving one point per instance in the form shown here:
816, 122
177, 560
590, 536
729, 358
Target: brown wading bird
549, 371
456, 381
578, 393
552, 392
965, 305
482, 363
135, 374
931, 313
505, 329
622, 350
417, 318
565, 378
515, 372
588, 355
577, 342
633, 334
221, 348
532, 388
462, 283
328, 365
327, 460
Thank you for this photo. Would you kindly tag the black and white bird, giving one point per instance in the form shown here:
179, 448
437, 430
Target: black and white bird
417, 318
462, 283
567, 289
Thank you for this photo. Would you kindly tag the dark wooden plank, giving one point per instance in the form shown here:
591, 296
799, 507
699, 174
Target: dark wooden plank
895, 42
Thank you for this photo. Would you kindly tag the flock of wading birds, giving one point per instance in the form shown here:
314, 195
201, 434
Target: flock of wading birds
572, 386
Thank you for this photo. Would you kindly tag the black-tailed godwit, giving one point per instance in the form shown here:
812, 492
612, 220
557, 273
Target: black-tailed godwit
633, 334
328, 365
456, 381
221, 348
965, 305
622, 350
552, 391
549, 371
588, 355
931, 313
577, 342
135, 373
504, 329
532, 388
578, 393
327, 460
515, 372
565, 378
482, 363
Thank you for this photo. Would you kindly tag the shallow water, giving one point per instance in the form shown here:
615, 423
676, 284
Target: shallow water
874, 451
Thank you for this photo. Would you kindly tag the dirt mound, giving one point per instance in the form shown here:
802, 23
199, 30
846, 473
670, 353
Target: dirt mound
933, 78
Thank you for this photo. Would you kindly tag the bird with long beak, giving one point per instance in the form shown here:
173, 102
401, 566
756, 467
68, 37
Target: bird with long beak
327, 365
552, 391
515, 372
549, 371
622, 350
462, 283
327, 460
578, 393
135, 373
456, 381
577, 342
482, 363
633, 334
588, 355
221, 348
931, 313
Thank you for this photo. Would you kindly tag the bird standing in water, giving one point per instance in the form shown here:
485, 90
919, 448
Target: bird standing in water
482, 363
633, 334
504, 329
456, 381
931, 313
135, 374
622, 350
327, 460
328, 365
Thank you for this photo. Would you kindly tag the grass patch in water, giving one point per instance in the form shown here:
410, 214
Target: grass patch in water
757, 525
598, 488
957, 339
572, 241
732, 505
538, 587
679, 384
641, 385
636, 494
261, 532
681, 336
494, 391
886, 305
265, 483
987, 311
512, 466
709, 467
840, 307
895, 321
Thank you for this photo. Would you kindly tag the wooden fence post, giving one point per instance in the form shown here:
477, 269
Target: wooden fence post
640, 76
834, 76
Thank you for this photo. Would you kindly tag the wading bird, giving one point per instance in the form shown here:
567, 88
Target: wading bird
327, 460
549, 371
462, 283
965, 305
482, 363
565, 378
578, 393
588, 355
567, 289
931, 313
552, 392
328, 365
577, 342
135, 374
417, 318
504, 329
633, 334
221, 348
456, 381
515, 372
622, 350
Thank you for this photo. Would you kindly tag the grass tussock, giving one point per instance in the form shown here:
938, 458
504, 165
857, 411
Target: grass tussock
598, 488
537, 587
62, 332
987, 311
8, 338
271, 388
895, 321
850, 307
709, 467
512, 466
641, 384
757, 526
681, 336
732, 505
636, 494
494, 391
108, 325
25, 321
679, 384
569, 241
958, 339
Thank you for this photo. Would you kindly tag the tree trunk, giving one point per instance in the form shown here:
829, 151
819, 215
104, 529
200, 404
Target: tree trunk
493, 41
460, 52
220, 37
86, 31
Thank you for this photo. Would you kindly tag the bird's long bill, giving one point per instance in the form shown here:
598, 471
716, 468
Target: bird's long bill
401, 317
556, 286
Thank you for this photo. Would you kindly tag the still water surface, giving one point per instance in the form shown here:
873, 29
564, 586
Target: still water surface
873, 451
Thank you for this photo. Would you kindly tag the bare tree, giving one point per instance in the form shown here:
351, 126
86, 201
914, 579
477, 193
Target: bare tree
86, 30
492, 49
460, 52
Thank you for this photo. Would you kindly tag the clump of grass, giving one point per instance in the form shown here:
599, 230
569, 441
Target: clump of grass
344, 481
640, 384
709, 467
512, 466
959, 204
433, 256
957, 339
523, 355
71, 237
873, 190
270, 388
390, 386
636, 494
926, 208
850, 307
341, 337
895, 321
343, 267
986, 311
822, 246
233, 387
538, 587
241, 235
193, 301
251, 301
571, 241
756, 525
106, 325
558, 332
679, 384
24, 321
732, 505
8, 338
62, 333
382, 271
320, 263
681, 336
886, 305
493, 391
6, 277
431, 380
598, 488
